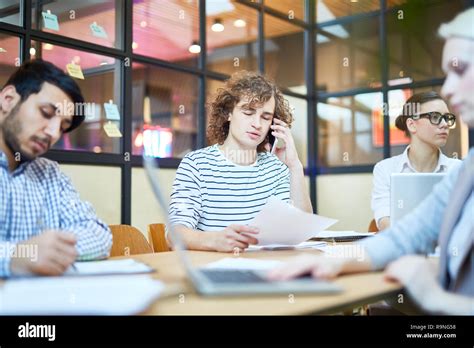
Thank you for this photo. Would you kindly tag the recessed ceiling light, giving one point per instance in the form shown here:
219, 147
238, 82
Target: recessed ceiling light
194, 48
240, 23
134, 45
2, 50
32, 51
143, 24
217, 26
48, 46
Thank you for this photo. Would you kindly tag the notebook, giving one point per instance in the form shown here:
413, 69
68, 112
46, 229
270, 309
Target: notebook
108, 267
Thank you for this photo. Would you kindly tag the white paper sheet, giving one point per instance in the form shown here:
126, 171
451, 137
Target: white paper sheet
244, 263
282, 223
125, 266
109, 295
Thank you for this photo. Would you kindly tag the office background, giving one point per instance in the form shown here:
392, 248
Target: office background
342, 64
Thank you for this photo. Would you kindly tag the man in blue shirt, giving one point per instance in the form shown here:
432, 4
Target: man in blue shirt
44, 226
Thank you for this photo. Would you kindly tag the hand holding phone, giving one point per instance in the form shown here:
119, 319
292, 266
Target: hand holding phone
274, 142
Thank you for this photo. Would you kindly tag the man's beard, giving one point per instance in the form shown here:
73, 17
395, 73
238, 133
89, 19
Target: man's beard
10, 127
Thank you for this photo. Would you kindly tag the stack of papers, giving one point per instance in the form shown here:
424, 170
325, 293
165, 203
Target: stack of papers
304, 245
283, 224
110, 295
126, 266
343, 235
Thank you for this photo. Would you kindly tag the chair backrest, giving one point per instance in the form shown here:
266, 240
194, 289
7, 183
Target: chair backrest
373, 226
128, 240
157, 238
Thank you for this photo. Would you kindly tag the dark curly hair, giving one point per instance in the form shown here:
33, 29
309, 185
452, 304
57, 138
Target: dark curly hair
245, 84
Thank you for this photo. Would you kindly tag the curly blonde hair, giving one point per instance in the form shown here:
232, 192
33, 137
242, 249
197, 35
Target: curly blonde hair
245, 84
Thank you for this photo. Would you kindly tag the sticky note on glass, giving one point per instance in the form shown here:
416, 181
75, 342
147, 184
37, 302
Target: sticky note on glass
74, 70
98, 31
111, 111
112, 130
50, 21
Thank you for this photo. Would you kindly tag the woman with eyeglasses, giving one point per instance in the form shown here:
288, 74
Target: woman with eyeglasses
426, 120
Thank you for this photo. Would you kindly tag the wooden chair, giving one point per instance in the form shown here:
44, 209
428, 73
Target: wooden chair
373, 226
157, 238
128, 240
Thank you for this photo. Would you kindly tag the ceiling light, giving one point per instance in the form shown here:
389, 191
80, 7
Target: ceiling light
240, 23
217, 26
48, 46
32, 51
143, 24
195, 48
134, 45
2, 50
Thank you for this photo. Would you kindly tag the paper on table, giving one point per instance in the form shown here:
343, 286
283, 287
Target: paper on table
111, 295
343, 234
244, 263
126, 266
281, 223
304, 245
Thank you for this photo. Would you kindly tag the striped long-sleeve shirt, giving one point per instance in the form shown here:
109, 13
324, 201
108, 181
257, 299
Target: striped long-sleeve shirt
37, 196
210, 192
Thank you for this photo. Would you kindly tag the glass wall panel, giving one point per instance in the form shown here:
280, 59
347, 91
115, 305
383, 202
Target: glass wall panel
165, 109
232, 31
167, 30
100, 85
94, 21
351, 130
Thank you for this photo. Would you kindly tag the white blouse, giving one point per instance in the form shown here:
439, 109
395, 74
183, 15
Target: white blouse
398, 164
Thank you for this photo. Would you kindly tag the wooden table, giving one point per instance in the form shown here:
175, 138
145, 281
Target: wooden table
179, 297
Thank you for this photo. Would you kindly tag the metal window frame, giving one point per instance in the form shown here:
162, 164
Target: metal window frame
126, 161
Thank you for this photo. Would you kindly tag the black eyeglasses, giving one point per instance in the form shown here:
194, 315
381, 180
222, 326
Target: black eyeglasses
436, 117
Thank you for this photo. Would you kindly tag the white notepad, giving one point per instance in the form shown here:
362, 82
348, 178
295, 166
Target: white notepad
125, 266
108, 295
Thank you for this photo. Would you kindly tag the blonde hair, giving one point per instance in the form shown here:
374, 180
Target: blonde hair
461, 26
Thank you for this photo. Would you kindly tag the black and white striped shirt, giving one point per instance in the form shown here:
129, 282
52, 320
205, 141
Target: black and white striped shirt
210, 192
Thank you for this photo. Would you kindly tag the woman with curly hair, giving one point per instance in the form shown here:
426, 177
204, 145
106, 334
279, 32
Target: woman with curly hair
219, 189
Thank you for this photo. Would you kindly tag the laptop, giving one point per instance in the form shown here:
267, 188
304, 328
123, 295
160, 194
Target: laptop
408, 190
230, 282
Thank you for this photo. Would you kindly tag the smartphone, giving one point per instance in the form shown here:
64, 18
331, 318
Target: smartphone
274, 142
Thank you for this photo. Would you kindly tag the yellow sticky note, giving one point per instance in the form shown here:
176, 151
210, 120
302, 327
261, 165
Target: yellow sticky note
74, 70
112, 130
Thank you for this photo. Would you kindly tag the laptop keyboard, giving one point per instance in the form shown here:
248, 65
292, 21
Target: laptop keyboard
233, 276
